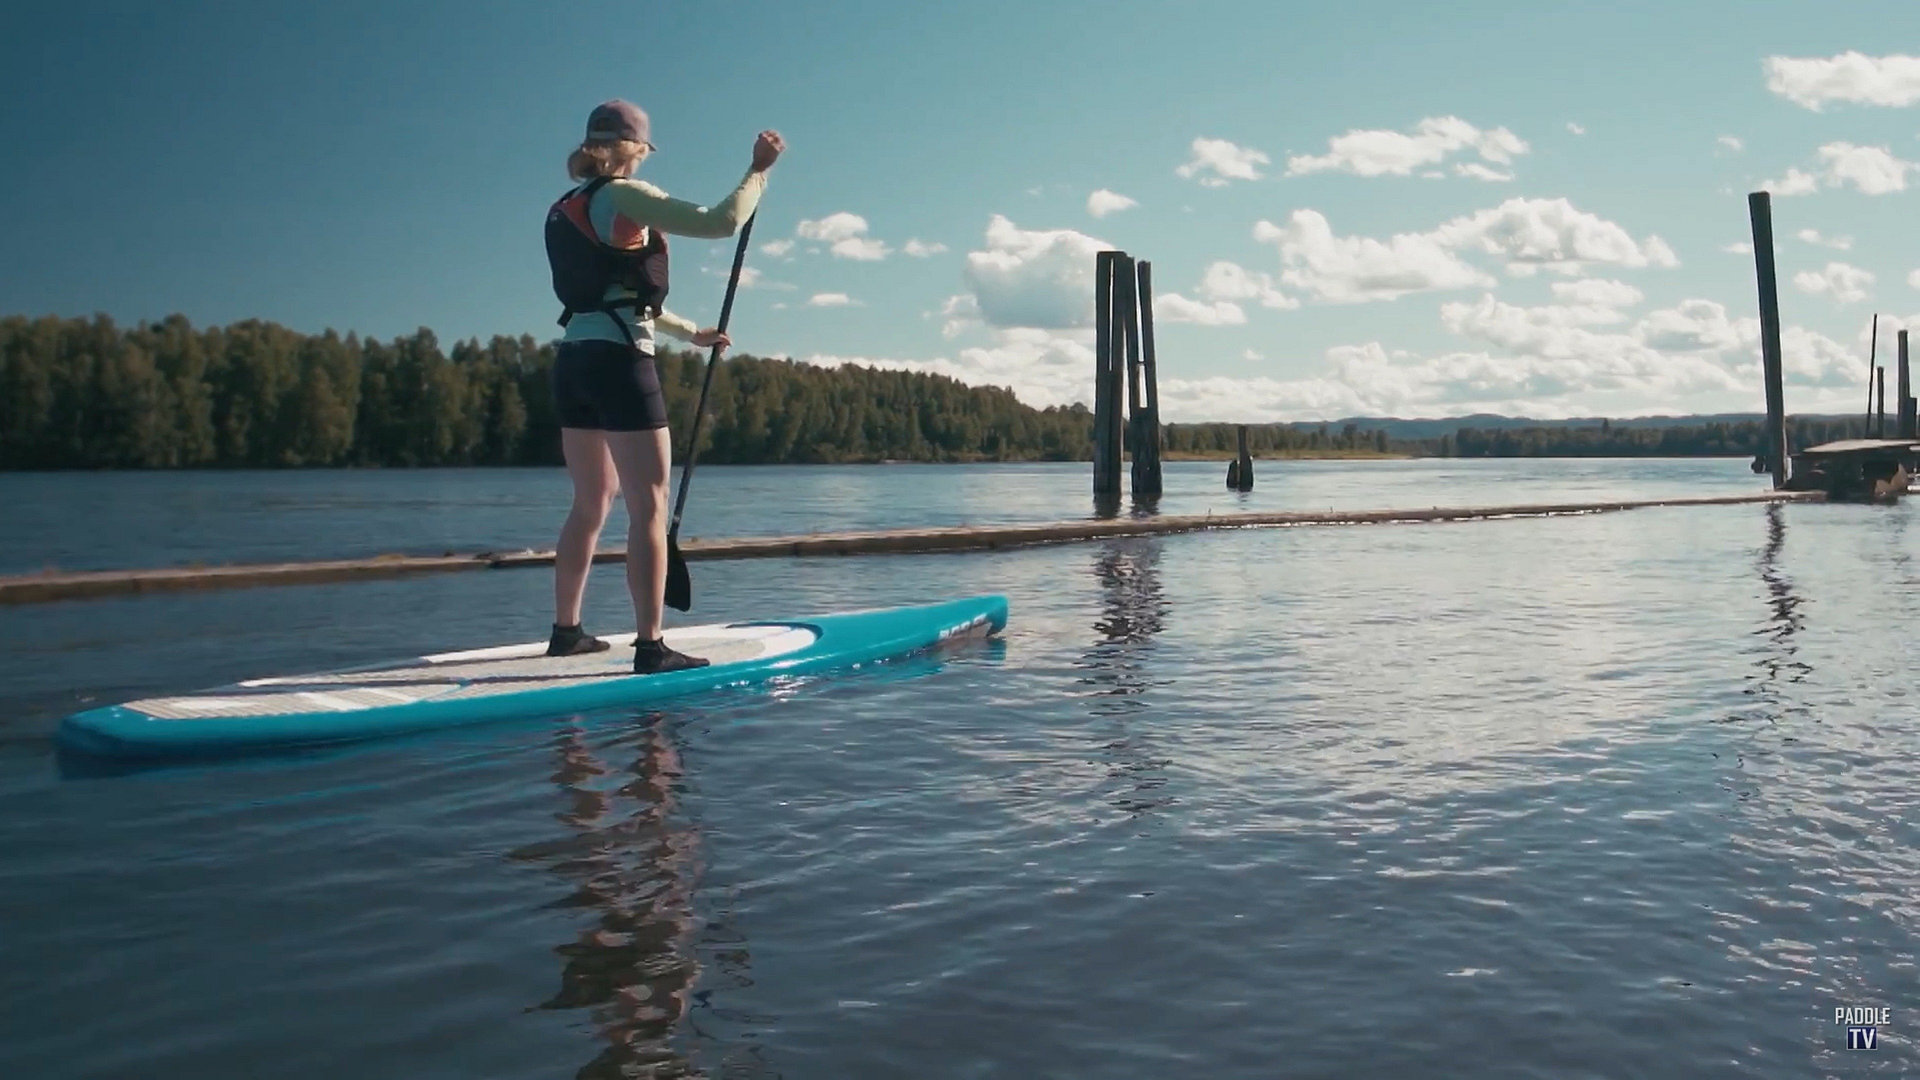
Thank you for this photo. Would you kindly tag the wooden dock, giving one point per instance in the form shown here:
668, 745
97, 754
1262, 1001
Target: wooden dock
58, 585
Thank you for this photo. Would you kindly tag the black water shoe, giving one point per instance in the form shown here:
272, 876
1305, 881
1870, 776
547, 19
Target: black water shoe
654, 657
572, 641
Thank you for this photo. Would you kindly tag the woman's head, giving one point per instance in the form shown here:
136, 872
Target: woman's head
616, 142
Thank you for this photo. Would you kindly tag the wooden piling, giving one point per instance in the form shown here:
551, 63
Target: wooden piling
1240, 473
1873, 359
1126, 348
1146, 468
1106, 452
1880, 377
1907, 419
1760, 211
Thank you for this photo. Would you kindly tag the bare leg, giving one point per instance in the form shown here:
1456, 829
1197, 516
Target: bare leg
591, 467
641, 458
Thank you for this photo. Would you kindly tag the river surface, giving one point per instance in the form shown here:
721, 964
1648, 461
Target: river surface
1622, 795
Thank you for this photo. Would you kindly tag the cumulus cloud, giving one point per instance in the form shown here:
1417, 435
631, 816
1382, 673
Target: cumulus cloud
1575, 128
1738, 247
1104, 202
829, 299
1873, 170
1041, 278
1356, 269
777, 248
1597, 293
1217, 161
1731, 142
845, 235
1814, 82
920, 249
1230, 281
1812, 236
1476, 171
1913, 279
1846, 284
1394, 153
1174, 308
1551, 234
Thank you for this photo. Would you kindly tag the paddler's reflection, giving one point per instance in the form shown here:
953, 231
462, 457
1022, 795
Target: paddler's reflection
635, 968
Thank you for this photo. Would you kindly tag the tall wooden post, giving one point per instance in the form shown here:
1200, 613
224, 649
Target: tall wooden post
1880, 376
1760, 210
1240, 473
1146, 449
1873, 359
1106, 455
1906, 393
1126, 344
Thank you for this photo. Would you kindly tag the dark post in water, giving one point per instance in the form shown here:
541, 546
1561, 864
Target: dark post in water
1106, 457
1146, 447
1880, 379
1760, 209
1907, 418
1240, 470
1873, 359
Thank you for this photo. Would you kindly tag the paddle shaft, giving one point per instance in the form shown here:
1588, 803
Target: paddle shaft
713, 362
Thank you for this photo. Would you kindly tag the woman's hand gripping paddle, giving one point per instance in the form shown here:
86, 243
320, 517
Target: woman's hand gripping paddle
679, 594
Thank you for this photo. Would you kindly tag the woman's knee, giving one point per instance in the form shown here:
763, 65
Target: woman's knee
591, 506
647, 502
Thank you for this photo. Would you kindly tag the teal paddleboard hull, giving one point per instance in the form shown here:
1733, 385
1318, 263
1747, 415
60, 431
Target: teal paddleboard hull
514, 681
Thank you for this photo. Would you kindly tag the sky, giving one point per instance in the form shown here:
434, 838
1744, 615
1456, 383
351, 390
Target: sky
1366, 208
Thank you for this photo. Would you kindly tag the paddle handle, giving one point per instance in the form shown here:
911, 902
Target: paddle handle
713, 363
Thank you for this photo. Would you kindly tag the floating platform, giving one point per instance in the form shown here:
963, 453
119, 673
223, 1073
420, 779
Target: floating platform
1856, 470
56, 585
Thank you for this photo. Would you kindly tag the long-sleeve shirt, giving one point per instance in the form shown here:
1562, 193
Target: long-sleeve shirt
622, 211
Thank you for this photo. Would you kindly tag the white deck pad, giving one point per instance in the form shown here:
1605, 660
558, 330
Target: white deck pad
477, 673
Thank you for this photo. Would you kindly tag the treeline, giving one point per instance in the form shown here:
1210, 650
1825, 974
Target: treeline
1607, 439
84, 393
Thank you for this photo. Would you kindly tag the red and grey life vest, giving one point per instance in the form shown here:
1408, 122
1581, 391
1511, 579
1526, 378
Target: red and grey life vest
585, 266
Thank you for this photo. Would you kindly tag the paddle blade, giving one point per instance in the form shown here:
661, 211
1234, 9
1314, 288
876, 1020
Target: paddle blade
679, 595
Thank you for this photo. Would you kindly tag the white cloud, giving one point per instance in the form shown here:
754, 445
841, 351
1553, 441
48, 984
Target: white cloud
829, 299
1216, 161
1039, 278
845, 235
1739, 247
1355, 269
1812, 236
1846, 284
1551, 234
777, 248
1913, 279
1230, 281
1174, 308
1873, 170
1477, 171
1104, 202
1575, 128
1382, 153
1597, 293
1794, 183
1813, 82
1731, 142
921, 250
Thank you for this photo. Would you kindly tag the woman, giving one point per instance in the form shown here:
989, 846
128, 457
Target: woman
606, 389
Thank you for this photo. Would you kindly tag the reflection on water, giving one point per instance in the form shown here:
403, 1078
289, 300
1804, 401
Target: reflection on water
1117, 667
634, 969
1779, 660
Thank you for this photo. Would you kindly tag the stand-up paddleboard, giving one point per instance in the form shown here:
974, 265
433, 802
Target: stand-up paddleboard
511, 681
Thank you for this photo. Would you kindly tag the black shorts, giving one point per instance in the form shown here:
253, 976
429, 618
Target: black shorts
607, 386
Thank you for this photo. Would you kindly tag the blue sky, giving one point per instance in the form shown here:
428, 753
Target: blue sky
1383, 208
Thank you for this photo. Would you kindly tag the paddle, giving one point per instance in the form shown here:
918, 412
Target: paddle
679, 594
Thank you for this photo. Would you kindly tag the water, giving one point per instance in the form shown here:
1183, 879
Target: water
1622, 795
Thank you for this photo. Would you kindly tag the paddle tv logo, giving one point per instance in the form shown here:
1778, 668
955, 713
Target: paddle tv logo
1863, 1024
